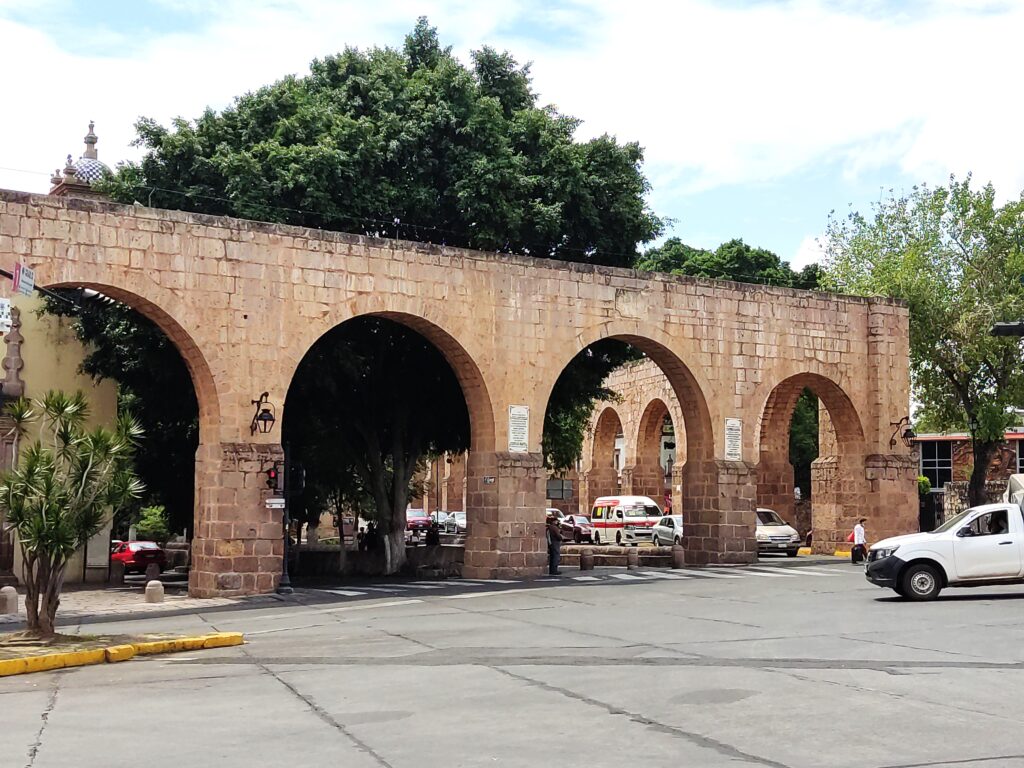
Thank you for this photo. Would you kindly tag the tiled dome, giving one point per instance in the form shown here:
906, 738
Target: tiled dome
80, 174
89, 169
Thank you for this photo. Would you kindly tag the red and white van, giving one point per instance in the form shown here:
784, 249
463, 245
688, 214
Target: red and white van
624, 519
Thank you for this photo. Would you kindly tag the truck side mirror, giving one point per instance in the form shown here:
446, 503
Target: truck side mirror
965, 532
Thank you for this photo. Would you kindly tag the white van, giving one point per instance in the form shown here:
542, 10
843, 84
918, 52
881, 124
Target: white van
624, 519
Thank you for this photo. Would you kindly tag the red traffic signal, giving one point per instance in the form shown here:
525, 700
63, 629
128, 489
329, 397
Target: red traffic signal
272, 478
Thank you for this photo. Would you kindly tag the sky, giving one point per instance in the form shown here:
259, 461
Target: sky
758, 118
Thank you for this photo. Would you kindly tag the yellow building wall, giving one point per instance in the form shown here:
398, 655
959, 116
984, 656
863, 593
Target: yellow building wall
52, 355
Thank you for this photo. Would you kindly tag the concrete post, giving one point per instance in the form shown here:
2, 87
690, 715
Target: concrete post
678, 557
116, 577
9, 600
587, 559
152, 572
154, 592
632, 558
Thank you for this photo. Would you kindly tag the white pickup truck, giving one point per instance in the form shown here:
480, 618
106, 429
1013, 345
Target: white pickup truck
981, 546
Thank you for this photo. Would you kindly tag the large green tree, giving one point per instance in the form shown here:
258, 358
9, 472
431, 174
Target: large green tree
411, 143
955, 255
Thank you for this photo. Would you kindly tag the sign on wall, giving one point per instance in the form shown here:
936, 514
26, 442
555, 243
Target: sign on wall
733, 440
5, 315
518, 428
24, 279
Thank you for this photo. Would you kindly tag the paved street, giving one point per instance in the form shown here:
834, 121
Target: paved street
784, 664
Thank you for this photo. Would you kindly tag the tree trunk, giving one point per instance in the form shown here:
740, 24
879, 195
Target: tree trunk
30, 576
983, 453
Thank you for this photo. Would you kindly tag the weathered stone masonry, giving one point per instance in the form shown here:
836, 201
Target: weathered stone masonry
243, 301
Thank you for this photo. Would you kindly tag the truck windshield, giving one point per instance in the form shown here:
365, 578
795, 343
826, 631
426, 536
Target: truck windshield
953, 522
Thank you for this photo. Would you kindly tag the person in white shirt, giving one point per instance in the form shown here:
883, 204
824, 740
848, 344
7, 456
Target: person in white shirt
860, 541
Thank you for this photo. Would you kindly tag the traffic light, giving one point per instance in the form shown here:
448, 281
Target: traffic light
273, 478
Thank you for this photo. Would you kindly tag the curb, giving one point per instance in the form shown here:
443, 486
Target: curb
804, 551
842, 553
116, 653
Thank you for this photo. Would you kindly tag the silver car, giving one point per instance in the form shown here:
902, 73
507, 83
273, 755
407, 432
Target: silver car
455, 523
668, 531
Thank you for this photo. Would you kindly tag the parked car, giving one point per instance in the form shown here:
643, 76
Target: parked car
439, 517
577, 528
979, 547
456, 523
668, 531
774, 534
137, 555
416, 524
556, 513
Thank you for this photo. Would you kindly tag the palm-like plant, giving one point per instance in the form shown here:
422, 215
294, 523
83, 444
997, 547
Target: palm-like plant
65, 486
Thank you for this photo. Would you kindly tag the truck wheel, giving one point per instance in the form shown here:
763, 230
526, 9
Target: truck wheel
618, 538
655, 541
920, 582
597, 537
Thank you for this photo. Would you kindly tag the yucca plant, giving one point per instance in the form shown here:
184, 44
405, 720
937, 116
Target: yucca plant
66, 484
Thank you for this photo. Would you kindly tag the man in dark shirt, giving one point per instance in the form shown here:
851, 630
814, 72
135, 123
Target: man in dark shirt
554, 536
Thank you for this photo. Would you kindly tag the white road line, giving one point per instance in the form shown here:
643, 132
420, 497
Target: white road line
476, 594
453, 583
768, 573
421, 586
552, 579
630, 577
586, 578
664, 575
495, 581
717, 574
820, 571
389, 590
343, 592
367, 606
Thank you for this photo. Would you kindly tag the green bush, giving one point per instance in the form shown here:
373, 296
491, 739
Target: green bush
152, 525
924, 486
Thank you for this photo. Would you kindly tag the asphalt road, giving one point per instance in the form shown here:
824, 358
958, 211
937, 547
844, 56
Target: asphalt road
784, 665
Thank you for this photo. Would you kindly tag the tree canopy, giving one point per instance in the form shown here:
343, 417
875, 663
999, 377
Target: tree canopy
410, 143
955, 256
732, 260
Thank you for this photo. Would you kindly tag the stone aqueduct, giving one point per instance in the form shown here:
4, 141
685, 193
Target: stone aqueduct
243, 301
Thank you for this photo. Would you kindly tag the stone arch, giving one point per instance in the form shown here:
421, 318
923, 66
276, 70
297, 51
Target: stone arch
198, 368
838, 480
647, 475
607, 426
428, 321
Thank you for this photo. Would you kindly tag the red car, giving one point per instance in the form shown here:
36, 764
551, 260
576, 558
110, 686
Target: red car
416, 522
577, 528
136, 555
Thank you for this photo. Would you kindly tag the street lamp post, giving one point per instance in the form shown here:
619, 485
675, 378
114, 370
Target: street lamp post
285, 585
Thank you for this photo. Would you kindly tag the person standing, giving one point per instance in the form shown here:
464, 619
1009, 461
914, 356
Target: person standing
860, 542
554, 537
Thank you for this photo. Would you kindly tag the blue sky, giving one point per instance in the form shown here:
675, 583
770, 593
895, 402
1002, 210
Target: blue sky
758, 118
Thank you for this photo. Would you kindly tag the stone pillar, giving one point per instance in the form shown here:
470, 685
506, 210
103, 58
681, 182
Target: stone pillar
678, 470
455, 484
505, 512
644, 480
238, 545
892, 484
775, 484
600, 481
839, 496
718, 512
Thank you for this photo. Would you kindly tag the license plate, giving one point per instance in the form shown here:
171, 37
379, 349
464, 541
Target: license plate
782, 546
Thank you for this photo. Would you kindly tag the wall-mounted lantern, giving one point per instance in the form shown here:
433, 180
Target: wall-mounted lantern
263, 419
903, 430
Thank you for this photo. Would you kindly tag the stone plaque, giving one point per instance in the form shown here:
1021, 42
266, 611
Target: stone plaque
518, 428
733, 440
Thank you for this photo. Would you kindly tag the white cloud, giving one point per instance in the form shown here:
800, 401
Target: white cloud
717, 94
810, 251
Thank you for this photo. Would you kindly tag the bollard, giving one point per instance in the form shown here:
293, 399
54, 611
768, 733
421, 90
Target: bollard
587, 559
152, 572
678, 557
9, 600
116, 576
154, 592
632, 559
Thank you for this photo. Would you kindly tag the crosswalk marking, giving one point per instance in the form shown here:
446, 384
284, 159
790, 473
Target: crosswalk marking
478, 594
382, 589
712, 574
671, 575
629, 577
343, 592
586, 578
820, 571
489, 581
770, 573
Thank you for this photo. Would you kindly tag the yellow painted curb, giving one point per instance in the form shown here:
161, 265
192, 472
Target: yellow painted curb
116, 653
841, 553
804, 551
